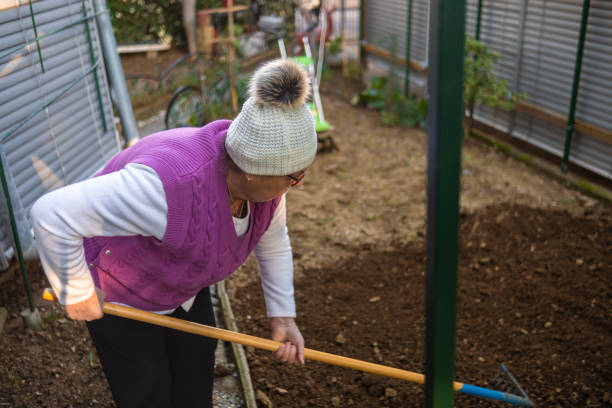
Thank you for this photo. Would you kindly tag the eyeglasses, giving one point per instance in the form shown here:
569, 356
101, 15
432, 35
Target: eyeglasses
296, 180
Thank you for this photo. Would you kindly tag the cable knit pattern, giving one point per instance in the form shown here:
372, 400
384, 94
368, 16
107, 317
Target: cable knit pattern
200, 246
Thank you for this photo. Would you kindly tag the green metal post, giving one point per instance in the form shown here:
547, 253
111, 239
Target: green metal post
342, 10
14, 229
571, 117
93, 61
408, 41
478, 20
446, 58
42, 66
361, 32
25, 44
115, 73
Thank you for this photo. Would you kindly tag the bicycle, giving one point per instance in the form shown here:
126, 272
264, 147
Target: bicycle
189, 103
195, 105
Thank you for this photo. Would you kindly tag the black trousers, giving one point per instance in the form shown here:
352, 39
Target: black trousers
156, 367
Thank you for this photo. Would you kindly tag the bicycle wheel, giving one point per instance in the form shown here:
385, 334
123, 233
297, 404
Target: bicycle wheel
185, 108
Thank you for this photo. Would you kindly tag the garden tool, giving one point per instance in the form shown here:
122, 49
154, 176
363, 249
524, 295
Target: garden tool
505, 379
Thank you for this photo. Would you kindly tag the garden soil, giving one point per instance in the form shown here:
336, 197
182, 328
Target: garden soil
534, 287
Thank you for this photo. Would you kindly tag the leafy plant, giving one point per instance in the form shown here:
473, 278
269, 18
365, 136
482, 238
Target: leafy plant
218, 100
481, 85
407, 111
393, 105
136, 21
385, 95
373, 97
335, 45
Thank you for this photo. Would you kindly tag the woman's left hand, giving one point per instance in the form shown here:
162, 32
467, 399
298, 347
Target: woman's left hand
286, 331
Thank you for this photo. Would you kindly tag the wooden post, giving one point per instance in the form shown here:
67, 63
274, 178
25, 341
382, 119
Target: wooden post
230, 6
206, 33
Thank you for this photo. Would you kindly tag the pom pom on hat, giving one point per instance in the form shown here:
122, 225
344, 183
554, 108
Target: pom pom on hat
274, 133
280, 82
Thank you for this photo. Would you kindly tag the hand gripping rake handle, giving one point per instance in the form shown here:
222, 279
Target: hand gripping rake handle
270, 345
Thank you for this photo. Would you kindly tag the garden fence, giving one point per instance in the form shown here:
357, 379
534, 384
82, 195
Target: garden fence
56, 116
537, 42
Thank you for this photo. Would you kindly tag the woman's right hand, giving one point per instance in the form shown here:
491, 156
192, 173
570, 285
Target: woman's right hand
89, 309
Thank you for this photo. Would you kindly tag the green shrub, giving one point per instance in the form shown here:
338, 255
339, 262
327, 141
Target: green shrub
335, 46
395, 108
481, 85
137, 21
386, 96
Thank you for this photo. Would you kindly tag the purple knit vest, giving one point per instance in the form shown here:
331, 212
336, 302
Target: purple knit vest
200, 246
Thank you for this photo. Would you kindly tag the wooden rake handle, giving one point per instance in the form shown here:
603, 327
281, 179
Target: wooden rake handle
253, 341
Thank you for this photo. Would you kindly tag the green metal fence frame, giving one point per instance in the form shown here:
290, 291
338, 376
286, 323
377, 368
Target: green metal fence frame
571, 116
408, 51
6, 135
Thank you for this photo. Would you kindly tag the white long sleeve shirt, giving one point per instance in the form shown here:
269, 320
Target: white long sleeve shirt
129, 202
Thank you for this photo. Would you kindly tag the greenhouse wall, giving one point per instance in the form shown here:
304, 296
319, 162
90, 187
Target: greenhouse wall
56, 125
537, 43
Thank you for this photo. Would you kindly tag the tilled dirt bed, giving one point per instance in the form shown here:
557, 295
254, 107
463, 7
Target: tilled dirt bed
534, 287
533, 294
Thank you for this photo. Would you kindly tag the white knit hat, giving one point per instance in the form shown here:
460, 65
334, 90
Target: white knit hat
274, 133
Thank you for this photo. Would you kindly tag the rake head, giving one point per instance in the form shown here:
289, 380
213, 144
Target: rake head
504, 381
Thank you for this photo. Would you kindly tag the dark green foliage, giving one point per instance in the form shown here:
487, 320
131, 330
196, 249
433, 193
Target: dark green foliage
394, 107
335, 46
218, 101
373, 97
140, 21
481, 85
137, 21
386, 96
406, 111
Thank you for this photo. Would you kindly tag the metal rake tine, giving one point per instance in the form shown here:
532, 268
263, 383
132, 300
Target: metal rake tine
515, 383
505, 380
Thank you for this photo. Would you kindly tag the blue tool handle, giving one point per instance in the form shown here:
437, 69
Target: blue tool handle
495, 395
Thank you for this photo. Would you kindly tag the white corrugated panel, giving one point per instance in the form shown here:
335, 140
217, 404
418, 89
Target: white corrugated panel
546, 68
385, 26
420, 31
386, 22
66, 142
536, 41
595, 96
549, 49
499, 30
351, 18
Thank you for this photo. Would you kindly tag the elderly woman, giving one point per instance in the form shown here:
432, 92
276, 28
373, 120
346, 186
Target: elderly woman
170, 216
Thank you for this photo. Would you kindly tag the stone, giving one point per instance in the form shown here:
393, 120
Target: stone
390, 393
263, 398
